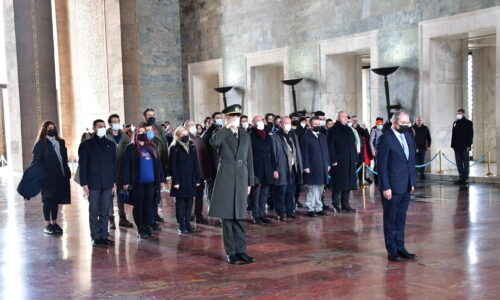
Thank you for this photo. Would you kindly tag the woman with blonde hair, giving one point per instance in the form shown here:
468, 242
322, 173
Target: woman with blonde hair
185, 173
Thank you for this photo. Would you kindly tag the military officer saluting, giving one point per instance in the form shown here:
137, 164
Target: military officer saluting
232, 184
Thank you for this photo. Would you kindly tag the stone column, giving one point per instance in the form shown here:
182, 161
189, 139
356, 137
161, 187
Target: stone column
484, 100
30, 74
3, 149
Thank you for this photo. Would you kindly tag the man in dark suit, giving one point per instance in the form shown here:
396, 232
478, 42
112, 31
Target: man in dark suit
213, 154
232, 184
97, 162
397, 175
423, 143
316, 164
461, 142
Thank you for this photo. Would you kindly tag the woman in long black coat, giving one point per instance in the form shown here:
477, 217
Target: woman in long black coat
142, 175
185, 172
51, 155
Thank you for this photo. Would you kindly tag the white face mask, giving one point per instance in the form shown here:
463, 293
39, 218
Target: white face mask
116, 126
101, 132
380, 127
245, 125
459, 116
409, 124
303, 125
288, 127
349, 124
132, 128
193, 130
218, 122
322, 123
236, 122
260, 125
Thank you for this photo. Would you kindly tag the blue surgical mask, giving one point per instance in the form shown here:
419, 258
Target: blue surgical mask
218, 122
150, 135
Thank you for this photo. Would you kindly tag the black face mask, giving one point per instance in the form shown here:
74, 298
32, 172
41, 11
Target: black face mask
142, 137
185, 139
151, 120
51, 132
403, 129
316, 128
296, 123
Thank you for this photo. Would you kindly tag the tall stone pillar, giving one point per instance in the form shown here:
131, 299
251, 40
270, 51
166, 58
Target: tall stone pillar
3, 148
30, 75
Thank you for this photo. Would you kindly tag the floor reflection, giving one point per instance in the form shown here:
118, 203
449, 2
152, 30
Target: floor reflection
333, 257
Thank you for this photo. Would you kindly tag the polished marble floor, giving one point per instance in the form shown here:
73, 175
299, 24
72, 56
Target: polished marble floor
455, 233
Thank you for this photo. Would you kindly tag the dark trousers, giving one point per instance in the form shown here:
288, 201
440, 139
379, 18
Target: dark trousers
198, 201
183, 208
144, 204
298, 189
233, 232
375, 177
420, 156
344, 198
260, 194
119, 202
285, 203
99, 201
462, 160
50, 210
395, 221
272, 197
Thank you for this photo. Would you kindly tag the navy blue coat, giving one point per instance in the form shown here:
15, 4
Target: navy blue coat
395, 171
342, 146
97, 162
264, 162
185, 171
316, 158
131, 169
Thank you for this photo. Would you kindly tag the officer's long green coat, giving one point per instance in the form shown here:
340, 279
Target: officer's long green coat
234, 174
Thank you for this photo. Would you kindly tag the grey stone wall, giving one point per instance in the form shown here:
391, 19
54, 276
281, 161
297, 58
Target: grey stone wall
229, 29
159, 58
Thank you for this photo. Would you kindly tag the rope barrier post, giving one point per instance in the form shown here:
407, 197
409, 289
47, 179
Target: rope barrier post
489, 173
440, 171
363, 183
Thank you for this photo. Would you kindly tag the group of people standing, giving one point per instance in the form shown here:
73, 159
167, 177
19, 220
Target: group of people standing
244, 166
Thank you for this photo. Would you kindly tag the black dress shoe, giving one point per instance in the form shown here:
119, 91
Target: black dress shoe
112, 224
159, 219
322, 213
311, 214
326, 207
124, 222
407, 255
142, 234
155, 226
299, 205
107, 241
336, 209
265, 220
57, 228
190, 229
234, 260
201, 220
349, 209
257, 221
292, 217
245, 258
49, 229
182, 230
282, 218
393, 257
97, 243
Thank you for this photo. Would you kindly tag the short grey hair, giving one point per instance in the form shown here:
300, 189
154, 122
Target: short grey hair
397, 115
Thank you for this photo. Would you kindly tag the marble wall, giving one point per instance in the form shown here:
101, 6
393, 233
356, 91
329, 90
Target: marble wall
229, 29
159, 59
